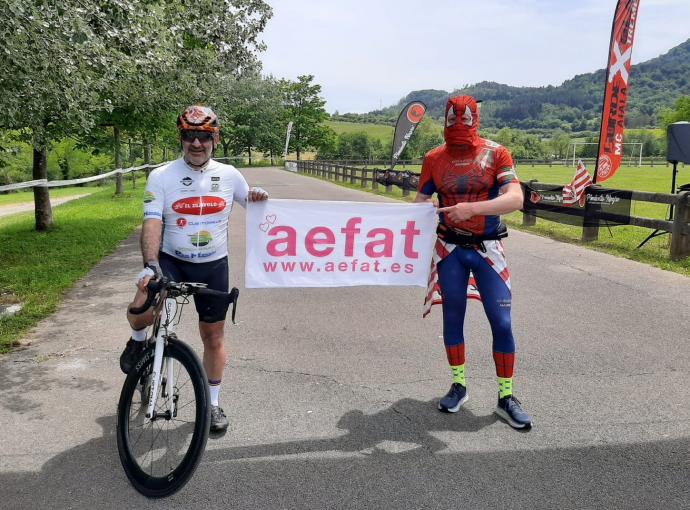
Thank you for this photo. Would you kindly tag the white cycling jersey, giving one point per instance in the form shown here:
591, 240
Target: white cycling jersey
194, 206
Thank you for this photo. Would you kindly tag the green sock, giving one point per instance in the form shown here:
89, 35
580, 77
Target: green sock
505, 387
458, 374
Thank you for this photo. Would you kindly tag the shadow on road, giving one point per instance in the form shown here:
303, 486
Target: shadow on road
386, 460
28, 377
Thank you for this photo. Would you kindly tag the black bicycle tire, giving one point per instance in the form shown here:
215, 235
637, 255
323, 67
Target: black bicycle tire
159, 487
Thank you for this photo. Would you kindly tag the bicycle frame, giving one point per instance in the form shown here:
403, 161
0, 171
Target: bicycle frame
166, 313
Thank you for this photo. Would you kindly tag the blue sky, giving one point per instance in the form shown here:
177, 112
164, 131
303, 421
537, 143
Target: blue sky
366, 54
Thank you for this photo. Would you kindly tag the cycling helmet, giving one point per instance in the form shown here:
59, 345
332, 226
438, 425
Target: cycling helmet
199, 118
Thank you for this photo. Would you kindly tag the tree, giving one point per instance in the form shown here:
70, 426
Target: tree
681, 112
52, 73
251, 116
177, 64
428, 135
305, 108
70, 65
560, 141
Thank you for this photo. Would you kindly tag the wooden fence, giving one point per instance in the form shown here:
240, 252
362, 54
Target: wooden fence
364, 176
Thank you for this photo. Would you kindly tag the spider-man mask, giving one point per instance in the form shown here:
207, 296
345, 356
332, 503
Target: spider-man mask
462, 121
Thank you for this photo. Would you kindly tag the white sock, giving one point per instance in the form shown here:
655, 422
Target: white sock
139, 335
215, 393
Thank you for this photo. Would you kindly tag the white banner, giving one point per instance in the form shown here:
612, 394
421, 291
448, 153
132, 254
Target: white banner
304, 243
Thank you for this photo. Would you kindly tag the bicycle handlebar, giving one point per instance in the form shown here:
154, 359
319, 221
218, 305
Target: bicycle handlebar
183, 289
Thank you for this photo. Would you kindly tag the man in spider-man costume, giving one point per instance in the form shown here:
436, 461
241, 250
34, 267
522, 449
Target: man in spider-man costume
475, 182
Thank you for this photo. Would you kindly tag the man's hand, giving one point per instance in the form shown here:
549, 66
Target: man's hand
459, 212
151, 271
420, 198
257, 194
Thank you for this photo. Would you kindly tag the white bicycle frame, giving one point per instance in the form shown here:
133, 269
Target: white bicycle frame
167, 326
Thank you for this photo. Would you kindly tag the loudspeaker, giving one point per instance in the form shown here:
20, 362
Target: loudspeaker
678, 148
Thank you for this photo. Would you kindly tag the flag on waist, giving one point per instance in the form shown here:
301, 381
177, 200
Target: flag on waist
493, 256
575, 191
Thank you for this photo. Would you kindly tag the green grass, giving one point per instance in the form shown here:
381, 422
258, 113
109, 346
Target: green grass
380, 131
27, 196
620, 241
39, 267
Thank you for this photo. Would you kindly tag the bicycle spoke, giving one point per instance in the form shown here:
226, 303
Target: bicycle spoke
180, 407
173, 441
177, 420
142, 433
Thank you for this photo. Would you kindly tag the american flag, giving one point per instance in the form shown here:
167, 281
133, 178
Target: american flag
575, 191
493, 256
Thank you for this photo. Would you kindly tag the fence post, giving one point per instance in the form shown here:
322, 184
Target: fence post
528, 220
680, 241
590, 234
374, 182
353, 170
406, 185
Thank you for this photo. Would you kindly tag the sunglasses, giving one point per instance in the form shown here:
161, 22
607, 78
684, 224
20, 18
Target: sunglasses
202, 136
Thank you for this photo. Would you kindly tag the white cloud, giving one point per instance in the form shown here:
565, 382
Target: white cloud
368, 53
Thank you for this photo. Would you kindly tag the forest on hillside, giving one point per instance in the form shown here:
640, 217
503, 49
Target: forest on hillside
574, 106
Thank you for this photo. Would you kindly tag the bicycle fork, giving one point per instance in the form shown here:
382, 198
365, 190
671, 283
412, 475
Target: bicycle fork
169, 312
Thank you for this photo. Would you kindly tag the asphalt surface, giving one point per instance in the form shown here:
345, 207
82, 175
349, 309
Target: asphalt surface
331, 393
8, 210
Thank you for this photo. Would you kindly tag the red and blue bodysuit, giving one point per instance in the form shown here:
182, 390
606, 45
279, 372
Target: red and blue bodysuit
468, 168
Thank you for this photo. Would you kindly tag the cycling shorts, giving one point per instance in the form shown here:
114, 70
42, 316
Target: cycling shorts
214, 274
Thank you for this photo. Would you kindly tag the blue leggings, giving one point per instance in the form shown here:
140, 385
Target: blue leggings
453, 275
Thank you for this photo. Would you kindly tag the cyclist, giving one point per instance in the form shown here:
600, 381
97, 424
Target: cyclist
476, 182
187, 205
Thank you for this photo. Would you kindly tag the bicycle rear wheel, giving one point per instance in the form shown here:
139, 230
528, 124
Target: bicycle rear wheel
160, 456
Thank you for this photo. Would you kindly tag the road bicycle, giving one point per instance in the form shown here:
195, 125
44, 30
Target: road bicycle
164, 413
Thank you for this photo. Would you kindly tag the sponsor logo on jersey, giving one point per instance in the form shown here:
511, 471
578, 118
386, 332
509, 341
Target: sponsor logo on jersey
201, 238
199, 206
181, 222
149, 197
215, 179
187, 181
182, 255
215, 186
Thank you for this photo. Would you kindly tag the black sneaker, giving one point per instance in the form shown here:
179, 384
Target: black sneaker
131, 354
456, 396
219, 422
509, 409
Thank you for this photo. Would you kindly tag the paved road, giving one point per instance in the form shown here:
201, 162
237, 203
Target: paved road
331, 392
7, 210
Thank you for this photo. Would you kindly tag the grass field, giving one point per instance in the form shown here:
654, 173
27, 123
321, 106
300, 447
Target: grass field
39, 267
620, 241
380, 131
23, 196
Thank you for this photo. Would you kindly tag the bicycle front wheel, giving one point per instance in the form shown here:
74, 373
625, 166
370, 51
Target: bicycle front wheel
160, 455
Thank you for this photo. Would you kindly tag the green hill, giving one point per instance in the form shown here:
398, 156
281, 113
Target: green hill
574, 106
